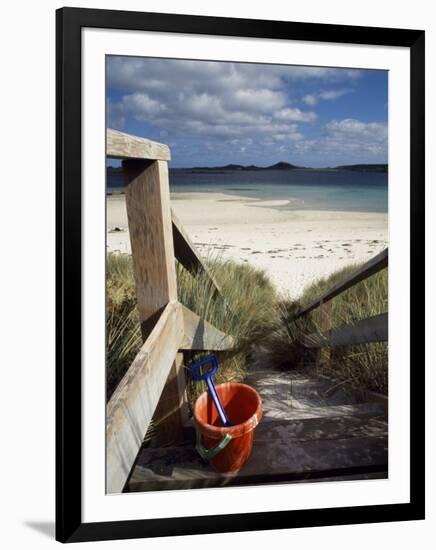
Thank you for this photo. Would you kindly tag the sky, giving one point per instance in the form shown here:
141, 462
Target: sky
213, 113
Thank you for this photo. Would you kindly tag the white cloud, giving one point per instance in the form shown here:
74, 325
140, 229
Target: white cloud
142, 103
327, 74
262, 100
251, 109
310, 99
115, 116
355, 129
348, 138
216, 100
132, 74
295, 115
332, 94
326, 95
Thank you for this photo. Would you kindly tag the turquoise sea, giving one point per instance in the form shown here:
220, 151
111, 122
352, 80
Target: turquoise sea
341, 190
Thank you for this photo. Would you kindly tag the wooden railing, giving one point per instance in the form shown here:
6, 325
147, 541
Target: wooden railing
365, 331
154, 386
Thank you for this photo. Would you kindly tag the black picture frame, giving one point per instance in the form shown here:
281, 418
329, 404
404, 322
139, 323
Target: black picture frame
69, 22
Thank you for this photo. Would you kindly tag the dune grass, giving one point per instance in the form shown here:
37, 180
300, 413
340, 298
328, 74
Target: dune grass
123, 331
257, 318
246, 310
365, 367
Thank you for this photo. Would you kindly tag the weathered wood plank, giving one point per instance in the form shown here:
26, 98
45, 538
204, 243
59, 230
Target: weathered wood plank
200, 335
172, 411
325, 428
372, 329
270, 461
373, 266
151, 238
124, 146
186, 253
133, 403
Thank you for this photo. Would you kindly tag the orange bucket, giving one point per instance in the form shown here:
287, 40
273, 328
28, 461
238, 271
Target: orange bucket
227, 448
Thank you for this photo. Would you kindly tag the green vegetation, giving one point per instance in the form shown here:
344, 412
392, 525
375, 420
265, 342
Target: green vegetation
246, 310
258, 320
363, 366
123, 331
247, 313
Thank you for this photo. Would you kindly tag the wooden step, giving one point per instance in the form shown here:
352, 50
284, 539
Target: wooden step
326, 426
321, 428
312, 429
338, 447
298, 394
283, 410
295, 388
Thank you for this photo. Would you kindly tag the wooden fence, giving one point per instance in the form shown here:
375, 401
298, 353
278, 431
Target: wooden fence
365, 331
154, 385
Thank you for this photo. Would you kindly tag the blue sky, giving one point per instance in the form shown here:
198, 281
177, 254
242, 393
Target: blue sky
214, 113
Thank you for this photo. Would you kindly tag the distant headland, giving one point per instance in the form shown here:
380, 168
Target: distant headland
283, 166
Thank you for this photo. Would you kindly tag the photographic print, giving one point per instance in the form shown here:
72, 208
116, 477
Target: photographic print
229, 194
246, 274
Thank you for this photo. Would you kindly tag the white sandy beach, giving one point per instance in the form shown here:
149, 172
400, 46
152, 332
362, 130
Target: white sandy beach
295, 247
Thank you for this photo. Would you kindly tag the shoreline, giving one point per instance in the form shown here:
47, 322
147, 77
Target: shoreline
294, 247
174, 193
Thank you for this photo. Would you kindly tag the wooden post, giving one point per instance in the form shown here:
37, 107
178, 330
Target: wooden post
151, 237
172, 411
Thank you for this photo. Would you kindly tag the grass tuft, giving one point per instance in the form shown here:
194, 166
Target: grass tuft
123, 331
365, 367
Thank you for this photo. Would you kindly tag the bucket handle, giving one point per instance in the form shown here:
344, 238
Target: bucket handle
209, 454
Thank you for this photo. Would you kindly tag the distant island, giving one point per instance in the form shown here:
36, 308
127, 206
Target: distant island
364, 167
242, 168
283, 166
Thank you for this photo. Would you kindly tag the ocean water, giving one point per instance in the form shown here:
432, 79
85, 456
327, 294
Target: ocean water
305, 189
